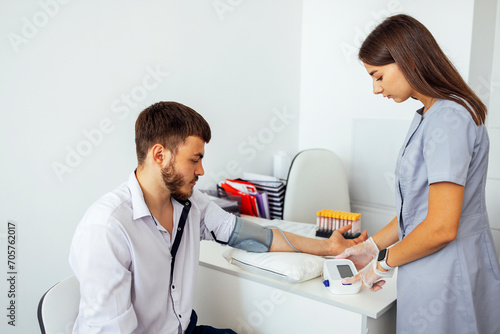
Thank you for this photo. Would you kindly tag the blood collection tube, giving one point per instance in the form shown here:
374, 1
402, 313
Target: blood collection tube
329, 221
325, 214
357, 223
323, 219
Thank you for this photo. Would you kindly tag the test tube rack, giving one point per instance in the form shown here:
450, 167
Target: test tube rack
328, 221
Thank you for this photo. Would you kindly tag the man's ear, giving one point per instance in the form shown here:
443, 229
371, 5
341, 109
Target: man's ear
160, 155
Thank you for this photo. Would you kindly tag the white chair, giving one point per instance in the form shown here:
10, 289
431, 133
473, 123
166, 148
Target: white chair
58, 308
316, 181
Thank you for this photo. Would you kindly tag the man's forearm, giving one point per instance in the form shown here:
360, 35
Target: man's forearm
332, 246
303, 244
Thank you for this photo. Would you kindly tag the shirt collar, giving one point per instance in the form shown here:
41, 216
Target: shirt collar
430, 110
139, 207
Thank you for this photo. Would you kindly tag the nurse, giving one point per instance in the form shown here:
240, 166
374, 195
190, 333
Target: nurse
449, 275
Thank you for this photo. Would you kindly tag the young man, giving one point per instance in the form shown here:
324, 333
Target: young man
125, 247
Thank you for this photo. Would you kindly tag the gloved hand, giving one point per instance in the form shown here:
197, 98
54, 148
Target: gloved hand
361, 254
371, 277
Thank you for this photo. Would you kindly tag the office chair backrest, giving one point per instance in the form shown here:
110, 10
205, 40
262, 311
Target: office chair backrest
58, 308
316, 181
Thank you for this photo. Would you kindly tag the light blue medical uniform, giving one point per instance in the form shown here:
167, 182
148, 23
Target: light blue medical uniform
456, 289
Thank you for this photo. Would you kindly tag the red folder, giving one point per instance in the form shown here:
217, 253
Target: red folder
249, 186
248, 203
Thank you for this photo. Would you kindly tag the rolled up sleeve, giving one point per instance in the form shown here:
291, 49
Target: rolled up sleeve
213, 219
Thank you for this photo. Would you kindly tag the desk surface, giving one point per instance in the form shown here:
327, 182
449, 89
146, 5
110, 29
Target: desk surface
371, 304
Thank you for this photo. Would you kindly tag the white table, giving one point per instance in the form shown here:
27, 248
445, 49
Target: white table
228, 296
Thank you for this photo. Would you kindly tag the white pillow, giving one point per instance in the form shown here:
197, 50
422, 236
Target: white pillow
286, 266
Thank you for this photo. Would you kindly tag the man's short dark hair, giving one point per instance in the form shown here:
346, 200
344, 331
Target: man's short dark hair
168, 124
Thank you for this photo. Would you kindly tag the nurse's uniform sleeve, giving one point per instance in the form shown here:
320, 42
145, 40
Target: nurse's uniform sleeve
213, 219
448, 145
100, 259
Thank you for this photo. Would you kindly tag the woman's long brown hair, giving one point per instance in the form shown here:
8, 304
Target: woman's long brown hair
403, 40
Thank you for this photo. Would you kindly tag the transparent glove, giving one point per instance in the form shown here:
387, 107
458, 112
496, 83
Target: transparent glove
371, 277
361, 254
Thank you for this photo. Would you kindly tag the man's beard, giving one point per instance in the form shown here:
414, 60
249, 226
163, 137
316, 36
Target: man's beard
174, 182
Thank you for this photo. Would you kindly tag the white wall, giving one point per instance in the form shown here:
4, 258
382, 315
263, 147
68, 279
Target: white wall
74, 70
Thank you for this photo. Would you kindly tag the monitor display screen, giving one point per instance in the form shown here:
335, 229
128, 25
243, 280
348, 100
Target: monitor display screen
345, 270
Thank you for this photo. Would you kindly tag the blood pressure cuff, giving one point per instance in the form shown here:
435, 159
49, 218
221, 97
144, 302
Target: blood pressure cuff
250, 237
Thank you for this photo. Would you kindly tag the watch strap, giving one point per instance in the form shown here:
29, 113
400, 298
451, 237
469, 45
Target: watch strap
383, 262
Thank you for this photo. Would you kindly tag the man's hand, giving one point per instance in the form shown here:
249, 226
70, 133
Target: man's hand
337, 243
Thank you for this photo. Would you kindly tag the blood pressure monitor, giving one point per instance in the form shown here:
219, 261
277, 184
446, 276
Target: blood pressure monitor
336, 270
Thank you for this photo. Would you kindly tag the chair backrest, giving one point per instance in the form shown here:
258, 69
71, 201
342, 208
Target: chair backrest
316, 181
58, 308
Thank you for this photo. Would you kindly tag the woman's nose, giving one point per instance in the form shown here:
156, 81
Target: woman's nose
377, 88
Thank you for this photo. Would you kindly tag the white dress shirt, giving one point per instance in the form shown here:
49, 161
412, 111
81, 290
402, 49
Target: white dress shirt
122, 259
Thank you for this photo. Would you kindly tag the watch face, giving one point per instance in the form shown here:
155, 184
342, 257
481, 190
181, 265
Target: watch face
381, 254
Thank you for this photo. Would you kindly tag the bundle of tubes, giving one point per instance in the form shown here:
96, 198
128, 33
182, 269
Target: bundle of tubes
328, 221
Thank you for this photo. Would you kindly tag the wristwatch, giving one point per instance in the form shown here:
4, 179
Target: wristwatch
382, 258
